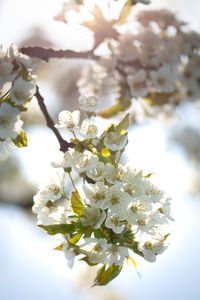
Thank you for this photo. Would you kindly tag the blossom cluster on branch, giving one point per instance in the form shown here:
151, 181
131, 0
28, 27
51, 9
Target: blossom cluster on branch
17, 87
156, 61
113, 211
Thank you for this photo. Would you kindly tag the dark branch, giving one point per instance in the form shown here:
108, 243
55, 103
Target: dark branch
46, 54
64, 145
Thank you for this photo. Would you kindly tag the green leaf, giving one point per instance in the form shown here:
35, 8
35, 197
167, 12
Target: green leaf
100, 272
75, 238
124, 12
110, 128
165, 237
98, 233
21, 140
88, 232
75, 203
115, 109
149, 175
107, 275
58, 228
122, 126
59, 247
157, 99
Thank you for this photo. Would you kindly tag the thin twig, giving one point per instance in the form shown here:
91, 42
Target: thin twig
64, 145
46, 54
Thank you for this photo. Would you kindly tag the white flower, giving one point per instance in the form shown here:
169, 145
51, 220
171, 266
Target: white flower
69, 255
59, 215
138, 84
22, 91
165, 207
115, 142
6, 75
20, 58
68, 120
39, 203
117, 200
10, 124
96, 194
163, 79
64, 160
138, 210
115, 222
44, 217
88, 103
95, 249
134, 183
163, 18
84, 161
52, 215
53, 187
88, 130
116, 254
125, 49
97, 172
151, 245
6, 147
115, 174
93, 216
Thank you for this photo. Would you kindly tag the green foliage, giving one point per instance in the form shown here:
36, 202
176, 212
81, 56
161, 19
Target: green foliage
122, 126
75, 203
115, 109
75, 238
59, 228
148, 175
124, 12
106, 275
157, 98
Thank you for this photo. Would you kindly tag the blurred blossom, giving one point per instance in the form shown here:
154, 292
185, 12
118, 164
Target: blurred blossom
189, 140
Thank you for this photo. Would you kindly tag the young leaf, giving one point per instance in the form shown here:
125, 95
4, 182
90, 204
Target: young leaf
122, 126
59, 247
165, 237
76, 204
149, 175
157, 99
111, 111
58, 228
107, 275
74, 239
100, 272
124, 12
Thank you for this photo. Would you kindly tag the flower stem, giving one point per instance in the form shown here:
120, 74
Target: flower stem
72, 181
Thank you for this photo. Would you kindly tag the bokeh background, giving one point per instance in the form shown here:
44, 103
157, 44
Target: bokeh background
29, 268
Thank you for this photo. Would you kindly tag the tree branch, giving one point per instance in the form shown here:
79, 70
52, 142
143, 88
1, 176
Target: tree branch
64, 145
46, 54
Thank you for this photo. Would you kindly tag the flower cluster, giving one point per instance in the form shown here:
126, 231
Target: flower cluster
17, 87
115, 210
157, 62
